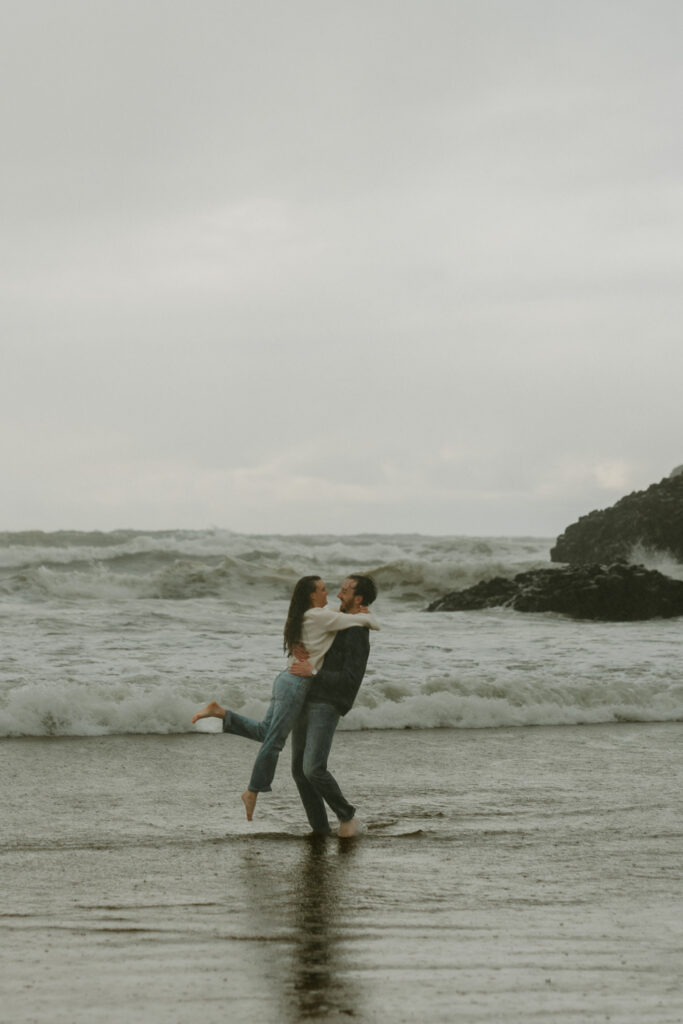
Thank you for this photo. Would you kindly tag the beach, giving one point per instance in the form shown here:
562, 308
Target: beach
500, 874
370, 289
517, 779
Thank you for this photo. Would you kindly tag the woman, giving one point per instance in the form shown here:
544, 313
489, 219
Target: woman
312, 626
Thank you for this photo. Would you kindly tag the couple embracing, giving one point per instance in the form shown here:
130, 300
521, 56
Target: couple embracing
328, 652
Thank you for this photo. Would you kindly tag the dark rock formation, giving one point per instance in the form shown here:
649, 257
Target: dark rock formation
487, 594
652, 518
615, 593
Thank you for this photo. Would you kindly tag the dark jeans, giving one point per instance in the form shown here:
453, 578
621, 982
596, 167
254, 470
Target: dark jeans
312, 737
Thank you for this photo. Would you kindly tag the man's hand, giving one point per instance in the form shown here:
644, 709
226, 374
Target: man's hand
300, 653
301, 668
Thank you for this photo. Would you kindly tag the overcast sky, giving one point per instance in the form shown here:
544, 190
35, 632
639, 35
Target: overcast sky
362, 265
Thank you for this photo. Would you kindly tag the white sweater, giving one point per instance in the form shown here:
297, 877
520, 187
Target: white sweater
321, 625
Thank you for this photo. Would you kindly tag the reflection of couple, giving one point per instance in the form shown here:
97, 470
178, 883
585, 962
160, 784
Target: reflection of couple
327, 660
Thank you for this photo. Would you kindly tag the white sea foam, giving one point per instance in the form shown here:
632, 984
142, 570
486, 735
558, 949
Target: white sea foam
45, 709
662, 561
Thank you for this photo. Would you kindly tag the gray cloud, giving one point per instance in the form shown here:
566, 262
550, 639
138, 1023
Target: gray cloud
371, 266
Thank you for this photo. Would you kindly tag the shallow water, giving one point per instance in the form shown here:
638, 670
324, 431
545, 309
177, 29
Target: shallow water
500, 875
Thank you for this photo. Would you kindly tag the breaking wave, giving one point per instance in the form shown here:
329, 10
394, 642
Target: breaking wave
131, 632
179, 565
142, 705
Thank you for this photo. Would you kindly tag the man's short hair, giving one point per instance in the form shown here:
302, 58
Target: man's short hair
365, 586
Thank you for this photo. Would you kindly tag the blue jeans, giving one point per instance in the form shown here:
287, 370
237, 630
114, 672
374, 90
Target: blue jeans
289, 694
311, 742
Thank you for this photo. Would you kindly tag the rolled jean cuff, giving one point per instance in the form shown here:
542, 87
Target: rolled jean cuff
226, 722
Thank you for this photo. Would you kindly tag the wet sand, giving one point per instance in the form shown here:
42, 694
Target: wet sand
501, 875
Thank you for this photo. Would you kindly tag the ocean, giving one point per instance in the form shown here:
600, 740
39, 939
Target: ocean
130, 632
518, 780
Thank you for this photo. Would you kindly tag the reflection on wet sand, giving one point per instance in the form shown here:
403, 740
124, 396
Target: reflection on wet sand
303, 900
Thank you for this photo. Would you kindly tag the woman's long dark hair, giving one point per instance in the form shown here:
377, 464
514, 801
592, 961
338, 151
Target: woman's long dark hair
300, 603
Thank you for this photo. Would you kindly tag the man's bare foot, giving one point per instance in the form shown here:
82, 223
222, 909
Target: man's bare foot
249, 801
347, 829
212, 710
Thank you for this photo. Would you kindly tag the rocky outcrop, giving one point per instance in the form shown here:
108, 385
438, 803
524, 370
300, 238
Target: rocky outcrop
614, 593
651, 518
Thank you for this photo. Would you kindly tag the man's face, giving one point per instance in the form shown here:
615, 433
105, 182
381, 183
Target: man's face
348, 602
319, 595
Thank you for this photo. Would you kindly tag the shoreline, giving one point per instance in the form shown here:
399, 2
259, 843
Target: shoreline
391, 730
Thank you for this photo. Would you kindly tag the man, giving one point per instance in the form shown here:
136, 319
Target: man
331, 695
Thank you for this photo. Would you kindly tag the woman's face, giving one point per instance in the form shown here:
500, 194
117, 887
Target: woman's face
319, 595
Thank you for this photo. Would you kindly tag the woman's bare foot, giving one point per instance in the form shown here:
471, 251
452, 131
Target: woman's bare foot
249, 801
347, 829
212, 710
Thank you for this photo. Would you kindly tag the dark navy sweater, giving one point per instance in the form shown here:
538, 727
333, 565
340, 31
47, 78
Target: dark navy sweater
339, 679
